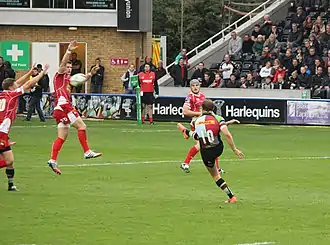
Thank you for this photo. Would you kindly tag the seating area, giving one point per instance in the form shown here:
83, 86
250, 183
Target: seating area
297, 48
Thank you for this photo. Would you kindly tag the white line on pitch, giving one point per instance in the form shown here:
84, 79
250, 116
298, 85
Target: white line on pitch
256, 243
178, 161
133, 130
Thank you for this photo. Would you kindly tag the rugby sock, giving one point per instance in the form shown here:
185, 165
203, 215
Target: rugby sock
217, 163
191, 153
223, 185
10, 175
83, 140
3, 163
150, 120
143, 119
57, 145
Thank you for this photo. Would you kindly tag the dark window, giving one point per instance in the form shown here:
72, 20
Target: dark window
95, 4
57, 4
15, 3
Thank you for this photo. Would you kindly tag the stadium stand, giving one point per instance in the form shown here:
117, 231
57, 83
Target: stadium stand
290, 54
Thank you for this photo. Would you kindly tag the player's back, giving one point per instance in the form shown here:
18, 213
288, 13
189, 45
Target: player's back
8, 108
62, 89
208, 130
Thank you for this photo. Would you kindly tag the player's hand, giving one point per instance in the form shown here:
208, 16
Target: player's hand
46, 67
239, 153
73, 45
94, 70
233, 121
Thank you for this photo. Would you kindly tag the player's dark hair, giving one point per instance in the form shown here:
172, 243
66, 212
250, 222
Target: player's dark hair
207, 105
8, 82
69, 62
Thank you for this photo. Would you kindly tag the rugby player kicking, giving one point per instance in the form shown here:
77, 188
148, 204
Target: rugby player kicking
65, 113
192, 108
208, 127
8, 109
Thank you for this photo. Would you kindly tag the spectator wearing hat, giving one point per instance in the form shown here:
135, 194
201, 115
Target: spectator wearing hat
258, 45
299, 17
36, 95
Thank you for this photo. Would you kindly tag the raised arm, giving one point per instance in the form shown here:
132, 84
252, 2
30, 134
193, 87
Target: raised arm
93, 72
19, 82
31, 83
66, 58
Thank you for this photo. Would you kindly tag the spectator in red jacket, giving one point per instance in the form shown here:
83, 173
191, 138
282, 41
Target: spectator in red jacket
149, 91
279, 71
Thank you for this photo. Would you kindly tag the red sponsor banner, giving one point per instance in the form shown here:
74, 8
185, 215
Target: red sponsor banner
119, 61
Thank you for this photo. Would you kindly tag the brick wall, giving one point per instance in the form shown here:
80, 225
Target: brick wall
101, 42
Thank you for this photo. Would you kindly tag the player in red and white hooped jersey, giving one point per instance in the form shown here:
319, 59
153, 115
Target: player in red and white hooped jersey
193, 108
8, 108
65, 114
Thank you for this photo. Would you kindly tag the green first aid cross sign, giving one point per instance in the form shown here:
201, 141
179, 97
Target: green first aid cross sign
17, 53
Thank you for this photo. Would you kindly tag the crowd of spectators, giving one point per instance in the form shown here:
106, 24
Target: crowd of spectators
291, 54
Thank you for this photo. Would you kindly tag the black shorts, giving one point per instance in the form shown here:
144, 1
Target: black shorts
210, 154
8, 148
148, 98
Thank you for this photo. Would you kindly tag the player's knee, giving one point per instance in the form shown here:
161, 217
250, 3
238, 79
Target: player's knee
10, 164
216, 177
81, 126
197, 147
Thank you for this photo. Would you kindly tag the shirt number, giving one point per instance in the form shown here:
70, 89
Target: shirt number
2, 104
208, 138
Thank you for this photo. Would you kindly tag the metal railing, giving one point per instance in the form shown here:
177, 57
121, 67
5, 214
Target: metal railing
225, 31
61, 5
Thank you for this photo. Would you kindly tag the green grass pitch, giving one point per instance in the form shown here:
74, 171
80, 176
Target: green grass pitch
136, 193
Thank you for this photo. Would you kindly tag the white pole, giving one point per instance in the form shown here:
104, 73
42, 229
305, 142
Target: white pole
181, 24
